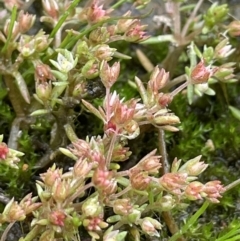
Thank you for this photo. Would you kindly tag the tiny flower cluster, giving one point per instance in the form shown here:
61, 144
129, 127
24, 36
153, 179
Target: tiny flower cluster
9, 156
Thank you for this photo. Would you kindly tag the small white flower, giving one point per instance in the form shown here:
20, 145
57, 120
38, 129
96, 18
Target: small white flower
65, 61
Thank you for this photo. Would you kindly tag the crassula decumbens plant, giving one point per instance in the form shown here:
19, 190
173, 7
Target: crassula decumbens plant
62, 67
132, 194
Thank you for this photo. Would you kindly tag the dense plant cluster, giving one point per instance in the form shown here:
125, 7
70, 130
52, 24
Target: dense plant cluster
50, 79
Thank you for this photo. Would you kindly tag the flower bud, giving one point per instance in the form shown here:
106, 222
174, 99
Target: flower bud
164, 99
209, 145
134, 216
26, 21
81, 148
15, 31
104, 180
3, 150
175, 165
135, 32
225, 73
123, 113
124, 24
212, 191
174, 182
28, 204
99, 36
120, 153
166, 203
149, 226
194, 167
109, 74
81, 168
65, 61
9, 4
122, 207
223, 49
76, 219
215, 14
201, 74
79, 90
43, 73
51, 8
57, 217
42, 41
51, 175
60, 190
193, 190
94, 224
158, 80
44, 90
12, 212
94, 13
112, 30
234, 28
139, 179
26, 45
90, 69
91, 207
83, 51
103, 52
150, 163
9, 156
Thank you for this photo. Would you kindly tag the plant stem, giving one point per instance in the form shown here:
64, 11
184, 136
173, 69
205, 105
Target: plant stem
232, 185
171, 60
108, 104
118, 3
110, 150
167, 216
176, 19
18, 105
179, 89
63, 18
80, 191
190, 222
119, 194
10, 29
4, 235
14, 133
163, 151
15, 97
175, 81
122, 173
191, 18
172, 226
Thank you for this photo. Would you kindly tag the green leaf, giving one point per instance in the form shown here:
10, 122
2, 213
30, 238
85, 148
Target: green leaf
190, 93
40, 112
63, 18
235, 112
22, 86
10, 30
93, 110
